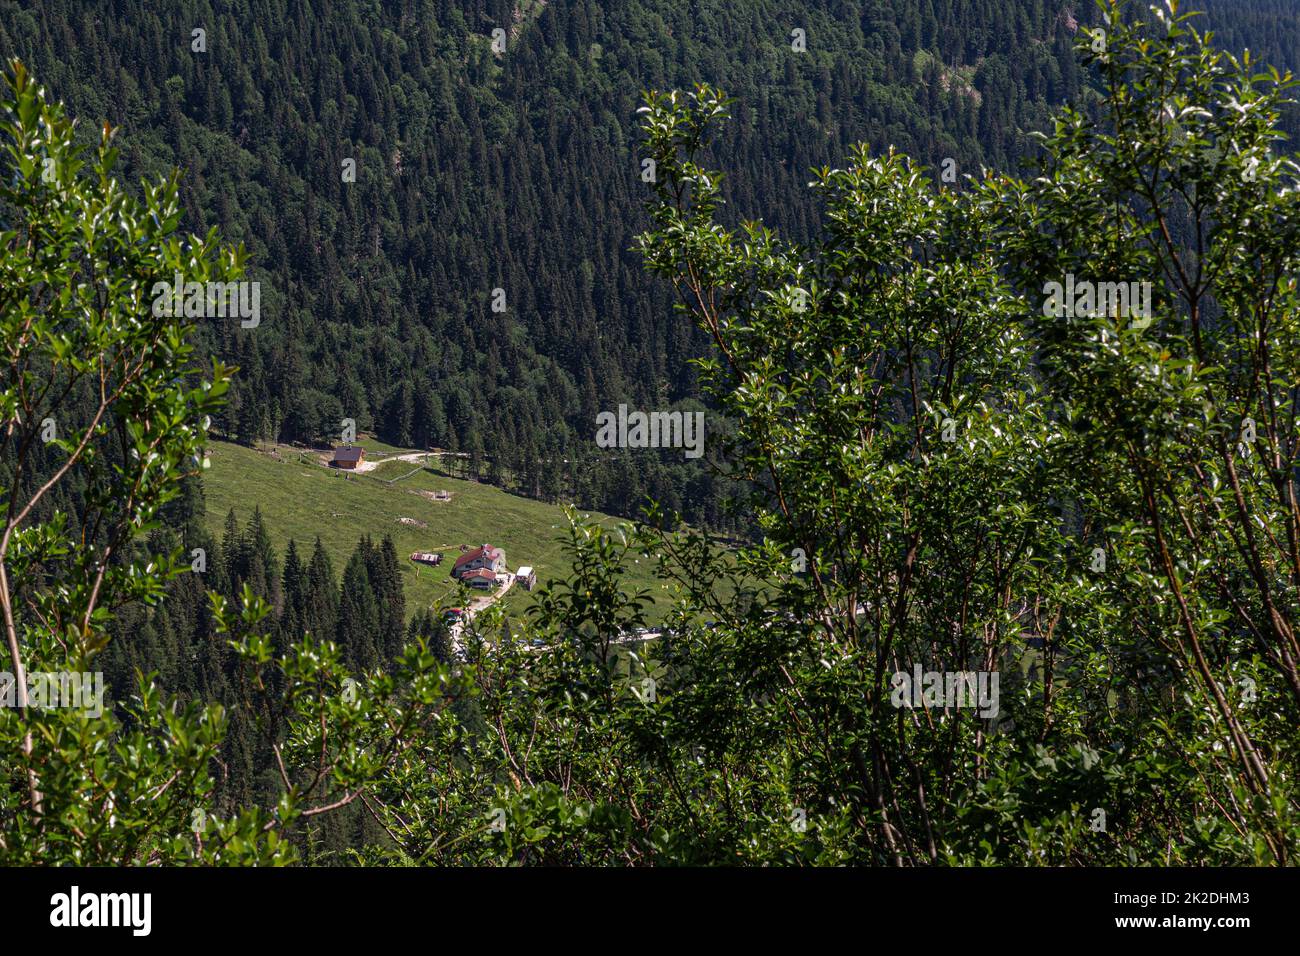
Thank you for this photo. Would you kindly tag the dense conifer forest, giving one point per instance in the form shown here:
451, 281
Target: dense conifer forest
478, 171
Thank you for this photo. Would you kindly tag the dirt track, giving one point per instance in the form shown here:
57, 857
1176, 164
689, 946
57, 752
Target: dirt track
475, 607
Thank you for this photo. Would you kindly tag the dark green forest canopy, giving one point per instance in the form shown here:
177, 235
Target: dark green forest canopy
519, 171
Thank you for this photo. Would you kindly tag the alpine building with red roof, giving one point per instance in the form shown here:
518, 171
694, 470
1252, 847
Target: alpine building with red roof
483, 558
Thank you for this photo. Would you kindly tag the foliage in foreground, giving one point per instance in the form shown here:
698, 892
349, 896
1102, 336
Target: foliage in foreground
1100, 506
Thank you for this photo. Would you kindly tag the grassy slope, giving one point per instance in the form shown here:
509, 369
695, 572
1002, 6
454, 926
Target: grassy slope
299, 499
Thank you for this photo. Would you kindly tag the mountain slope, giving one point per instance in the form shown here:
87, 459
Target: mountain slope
517, 170
478, 170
